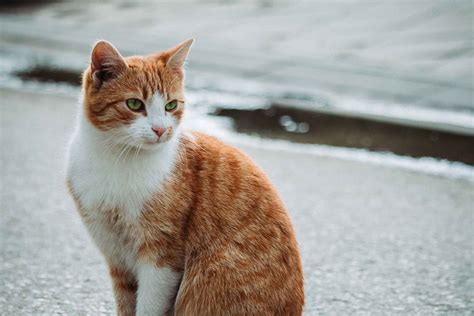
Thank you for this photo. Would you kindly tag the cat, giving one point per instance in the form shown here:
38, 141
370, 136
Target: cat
187, 224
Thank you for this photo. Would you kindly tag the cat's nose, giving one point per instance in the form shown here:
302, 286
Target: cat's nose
158, 131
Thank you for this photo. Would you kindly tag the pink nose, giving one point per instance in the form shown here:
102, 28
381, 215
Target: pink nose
159, 131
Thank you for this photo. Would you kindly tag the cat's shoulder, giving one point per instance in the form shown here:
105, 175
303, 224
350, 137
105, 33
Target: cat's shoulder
209, 152
201, 144
203, 140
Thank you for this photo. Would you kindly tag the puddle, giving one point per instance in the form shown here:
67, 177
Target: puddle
48, 74
308, 127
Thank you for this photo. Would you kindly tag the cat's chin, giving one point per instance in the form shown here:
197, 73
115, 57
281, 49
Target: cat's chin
151, 146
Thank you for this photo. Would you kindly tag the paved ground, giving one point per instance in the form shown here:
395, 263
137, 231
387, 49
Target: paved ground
341, 54
374, 240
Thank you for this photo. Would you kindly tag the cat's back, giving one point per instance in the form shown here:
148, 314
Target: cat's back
222, 166
226, 180
240, 237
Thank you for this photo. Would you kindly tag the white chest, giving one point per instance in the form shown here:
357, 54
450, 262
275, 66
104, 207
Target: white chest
112, 187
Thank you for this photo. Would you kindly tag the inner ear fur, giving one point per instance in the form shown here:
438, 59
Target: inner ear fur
178, 54
106, 63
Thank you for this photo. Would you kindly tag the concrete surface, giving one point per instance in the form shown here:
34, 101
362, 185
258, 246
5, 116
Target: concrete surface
374, 240
412, 54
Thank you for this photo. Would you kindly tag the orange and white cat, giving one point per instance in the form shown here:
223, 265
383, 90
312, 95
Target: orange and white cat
187, 224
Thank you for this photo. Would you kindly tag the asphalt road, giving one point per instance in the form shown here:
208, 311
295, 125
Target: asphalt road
374, 240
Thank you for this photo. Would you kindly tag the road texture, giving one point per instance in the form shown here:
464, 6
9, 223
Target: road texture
374, 240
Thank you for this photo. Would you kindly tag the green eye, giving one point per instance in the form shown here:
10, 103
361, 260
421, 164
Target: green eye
134, 104
170, 106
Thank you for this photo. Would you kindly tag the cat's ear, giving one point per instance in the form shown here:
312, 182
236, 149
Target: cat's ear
179, 53
106, 62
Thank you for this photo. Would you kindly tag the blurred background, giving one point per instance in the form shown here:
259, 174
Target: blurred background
361, 112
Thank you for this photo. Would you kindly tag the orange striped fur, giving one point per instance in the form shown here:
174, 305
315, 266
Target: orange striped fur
215, 221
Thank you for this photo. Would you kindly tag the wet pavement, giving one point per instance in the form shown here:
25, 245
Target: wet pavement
374, 239
307, 127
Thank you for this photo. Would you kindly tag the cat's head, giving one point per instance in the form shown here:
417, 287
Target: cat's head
136, 101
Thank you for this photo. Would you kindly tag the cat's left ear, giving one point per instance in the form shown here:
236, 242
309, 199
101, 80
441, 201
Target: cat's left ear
179, 53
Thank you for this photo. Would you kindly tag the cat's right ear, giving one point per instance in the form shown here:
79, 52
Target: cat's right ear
106, 63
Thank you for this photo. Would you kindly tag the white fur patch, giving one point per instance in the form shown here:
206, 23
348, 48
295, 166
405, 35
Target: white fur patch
113, 173
108, 176
156, 289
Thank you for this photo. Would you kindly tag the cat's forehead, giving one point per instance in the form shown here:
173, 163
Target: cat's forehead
143, 68
143, 62
150, 73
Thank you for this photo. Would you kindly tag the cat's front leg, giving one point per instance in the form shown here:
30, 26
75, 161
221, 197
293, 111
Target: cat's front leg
125, 290
157, 288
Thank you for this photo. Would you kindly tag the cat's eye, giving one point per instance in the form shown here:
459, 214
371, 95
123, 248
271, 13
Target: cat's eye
170, 106
135, 104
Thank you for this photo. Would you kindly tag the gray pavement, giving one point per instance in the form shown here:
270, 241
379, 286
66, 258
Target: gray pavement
374, 239
413, 54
